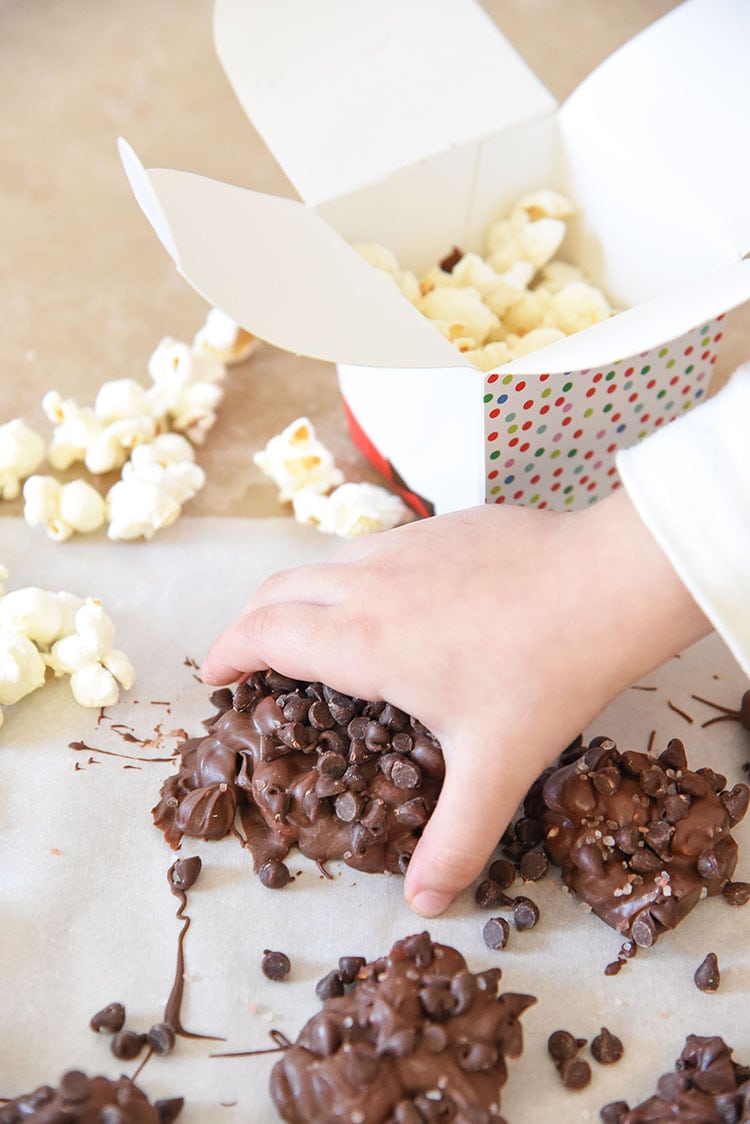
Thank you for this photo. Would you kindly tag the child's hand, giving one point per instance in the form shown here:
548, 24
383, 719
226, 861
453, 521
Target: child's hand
503, 630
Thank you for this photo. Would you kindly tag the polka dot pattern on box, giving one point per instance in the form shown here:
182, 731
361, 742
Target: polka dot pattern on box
551, 439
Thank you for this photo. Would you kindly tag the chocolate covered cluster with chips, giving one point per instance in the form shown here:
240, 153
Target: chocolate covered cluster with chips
416, 1037
641, 839
304, 765
706, 1087
79, 1099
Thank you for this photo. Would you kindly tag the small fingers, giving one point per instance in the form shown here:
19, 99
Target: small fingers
468, 819
304, 641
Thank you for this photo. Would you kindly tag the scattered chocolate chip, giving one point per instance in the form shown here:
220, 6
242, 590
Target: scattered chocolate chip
503, 872
275, 965
169, 1110
109, 1020
533, 866
274, 874
525, 913
184, 873
562, 1045
161, 1038
330, 986
490, 895
127, 1045
496, 932
737, 893
613, 1112
606, 1048
575, 1073
707, 975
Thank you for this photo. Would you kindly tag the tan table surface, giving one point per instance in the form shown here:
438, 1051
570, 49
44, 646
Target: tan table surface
86, 291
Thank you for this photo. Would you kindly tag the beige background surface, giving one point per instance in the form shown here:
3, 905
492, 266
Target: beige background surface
86, 291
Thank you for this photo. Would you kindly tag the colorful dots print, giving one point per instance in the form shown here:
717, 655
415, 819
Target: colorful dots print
551, 439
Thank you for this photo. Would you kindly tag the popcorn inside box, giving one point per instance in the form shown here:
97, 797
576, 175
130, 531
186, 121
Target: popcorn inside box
416, 135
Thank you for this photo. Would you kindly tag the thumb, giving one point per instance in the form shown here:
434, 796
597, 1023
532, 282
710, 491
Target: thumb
473, 809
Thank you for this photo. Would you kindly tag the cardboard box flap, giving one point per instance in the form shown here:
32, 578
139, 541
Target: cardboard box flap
280, 271
656, 321
676, 98
344, 92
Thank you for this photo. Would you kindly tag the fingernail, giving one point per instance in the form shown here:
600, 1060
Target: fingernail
429, 903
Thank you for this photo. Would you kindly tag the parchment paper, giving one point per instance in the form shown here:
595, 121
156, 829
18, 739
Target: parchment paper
87, 917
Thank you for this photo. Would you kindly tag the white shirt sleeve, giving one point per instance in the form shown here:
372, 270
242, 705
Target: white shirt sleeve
690, 483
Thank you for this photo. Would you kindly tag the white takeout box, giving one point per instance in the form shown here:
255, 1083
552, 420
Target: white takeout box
414, 123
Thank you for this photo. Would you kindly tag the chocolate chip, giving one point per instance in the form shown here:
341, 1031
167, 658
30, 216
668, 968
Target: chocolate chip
464, 989
707, 976
275, 965
614, 1112
323, 1035
434, 1038
330, 986
489, 980
490, 895
169, 1110
529, 832
320, 716
674, 756
643, 930
496, 932
419, 948
644, 861
332, 764
658, 836
606, 781
295, 708
74, 1086
412, 813
562, 1045
109, 1020
575, 1073
628, 839
329, 786
127, 1045
247, 695
402, 742
503, 872
676, 806
525, 913
736, 803
274, 874
161, 1038
476, 1057
533, 866
606, 1048
438, 1003
736, 893
349, 966
347, 806
404, 773
184, 873
717, 781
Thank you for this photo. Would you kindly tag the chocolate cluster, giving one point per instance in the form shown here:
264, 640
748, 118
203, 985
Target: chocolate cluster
304, 765
79, 1099
707, 1086
416, 1037
641, 839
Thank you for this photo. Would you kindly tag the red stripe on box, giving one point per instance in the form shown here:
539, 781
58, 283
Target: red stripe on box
420, 504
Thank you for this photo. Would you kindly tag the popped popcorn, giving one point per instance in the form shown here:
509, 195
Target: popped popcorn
296, 459
75, 428
515, 298
222, 337
350, 510
22, 669
21, 453
186, 391
33, 613
97, 669
154, 485
62, 509
386, 263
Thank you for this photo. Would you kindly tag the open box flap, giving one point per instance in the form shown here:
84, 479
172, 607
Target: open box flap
282, 273
676, 98
656, 321
344, 92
